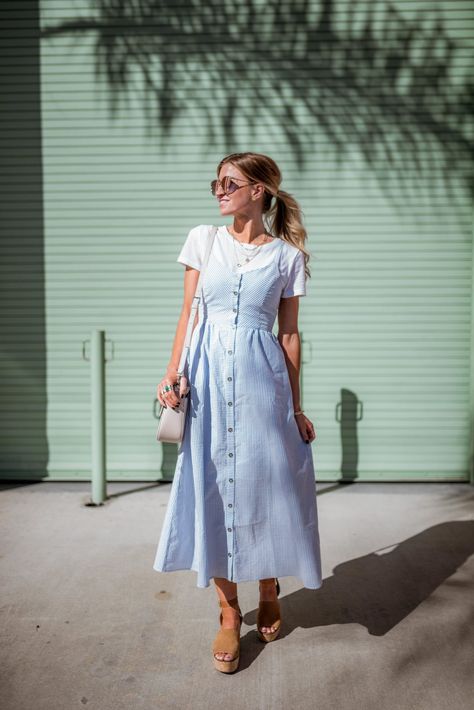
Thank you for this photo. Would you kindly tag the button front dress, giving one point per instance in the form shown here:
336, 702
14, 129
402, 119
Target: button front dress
242, 503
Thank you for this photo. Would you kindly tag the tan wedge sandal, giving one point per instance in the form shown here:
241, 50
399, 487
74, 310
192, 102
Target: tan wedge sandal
269, 615
227, 641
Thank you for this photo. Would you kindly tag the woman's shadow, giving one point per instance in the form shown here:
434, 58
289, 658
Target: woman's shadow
378, 590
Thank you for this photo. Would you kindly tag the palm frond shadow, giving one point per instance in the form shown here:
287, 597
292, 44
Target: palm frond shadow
384, 85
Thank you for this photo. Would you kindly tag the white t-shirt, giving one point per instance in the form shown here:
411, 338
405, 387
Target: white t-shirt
291, 262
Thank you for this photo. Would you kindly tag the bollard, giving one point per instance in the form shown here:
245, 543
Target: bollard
98, 436
99, 491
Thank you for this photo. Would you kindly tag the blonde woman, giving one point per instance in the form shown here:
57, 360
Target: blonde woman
242, 505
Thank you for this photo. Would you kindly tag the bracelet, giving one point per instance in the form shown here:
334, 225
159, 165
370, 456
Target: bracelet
300, 411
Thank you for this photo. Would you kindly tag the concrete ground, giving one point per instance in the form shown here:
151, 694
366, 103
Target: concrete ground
87, 622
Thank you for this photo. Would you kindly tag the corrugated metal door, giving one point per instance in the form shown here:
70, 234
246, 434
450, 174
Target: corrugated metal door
386, 323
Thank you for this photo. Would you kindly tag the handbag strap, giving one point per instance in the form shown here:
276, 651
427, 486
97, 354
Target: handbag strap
196, 299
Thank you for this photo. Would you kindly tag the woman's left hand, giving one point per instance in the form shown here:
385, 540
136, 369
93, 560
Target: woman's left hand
306, 428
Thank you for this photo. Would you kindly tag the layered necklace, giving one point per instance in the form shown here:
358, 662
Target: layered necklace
248, 252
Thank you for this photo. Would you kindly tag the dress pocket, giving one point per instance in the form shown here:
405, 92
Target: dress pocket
280, 374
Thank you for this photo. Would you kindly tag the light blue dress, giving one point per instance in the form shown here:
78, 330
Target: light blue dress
242, 503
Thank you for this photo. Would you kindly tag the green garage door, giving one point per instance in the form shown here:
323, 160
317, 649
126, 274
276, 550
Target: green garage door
98, 203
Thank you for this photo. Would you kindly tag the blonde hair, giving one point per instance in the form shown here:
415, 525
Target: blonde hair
279, 207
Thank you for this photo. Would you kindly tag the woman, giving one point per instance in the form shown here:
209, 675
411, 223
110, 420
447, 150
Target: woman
243, 502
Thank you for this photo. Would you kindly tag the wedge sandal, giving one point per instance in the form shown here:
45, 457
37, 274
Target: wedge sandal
269, 615
227, 641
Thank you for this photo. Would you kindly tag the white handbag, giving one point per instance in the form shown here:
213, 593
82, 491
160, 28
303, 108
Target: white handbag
173, 419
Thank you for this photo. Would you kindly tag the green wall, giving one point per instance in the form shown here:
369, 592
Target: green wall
112, 130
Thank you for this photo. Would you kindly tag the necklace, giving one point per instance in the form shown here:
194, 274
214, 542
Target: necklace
248, 249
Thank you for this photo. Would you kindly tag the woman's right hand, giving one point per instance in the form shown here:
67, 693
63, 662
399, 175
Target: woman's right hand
171, 398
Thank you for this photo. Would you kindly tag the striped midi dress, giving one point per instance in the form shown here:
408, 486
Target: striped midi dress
242, 502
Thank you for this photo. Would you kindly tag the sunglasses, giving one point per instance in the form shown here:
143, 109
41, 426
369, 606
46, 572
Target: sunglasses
228, 185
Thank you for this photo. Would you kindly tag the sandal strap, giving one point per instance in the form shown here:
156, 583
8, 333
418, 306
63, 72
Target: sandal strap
234, 603
240, 617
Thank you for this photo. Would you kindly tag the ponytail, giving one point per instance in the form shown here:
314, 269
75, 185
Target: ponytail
286, 222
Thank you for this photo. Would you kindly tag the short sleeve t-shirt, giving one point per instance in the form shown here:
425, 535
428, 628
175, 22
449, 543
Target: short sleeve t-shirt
292, 264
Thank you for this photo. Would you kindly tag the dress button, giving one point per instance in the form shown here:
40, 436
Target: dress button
230, 505
230, 352
230, 404
230, 554
229, 378
230, 429
231, 480
231, 455
229, 529
235, 310
235, 293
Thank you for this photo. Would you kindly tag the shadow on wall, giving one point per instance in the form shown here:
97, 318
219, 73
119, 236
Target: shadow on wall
23, 431
348, 412
360, 74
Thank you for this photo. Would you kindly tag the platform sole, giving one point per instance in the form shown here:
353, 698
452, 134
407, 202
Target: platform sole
226, 666
268, 637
